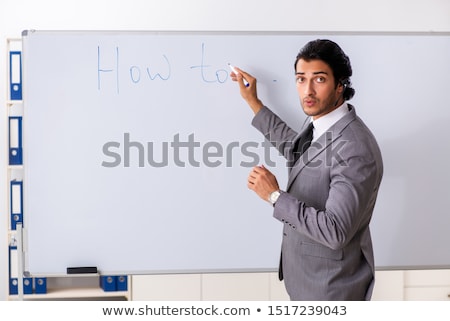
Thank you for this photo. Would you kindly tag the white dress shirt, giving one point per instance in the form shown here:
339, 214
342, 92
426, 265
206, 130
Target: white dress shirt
324, 123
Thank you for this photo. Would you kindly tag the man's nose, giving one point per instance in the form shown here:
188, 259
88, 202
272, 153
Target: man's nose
309, 88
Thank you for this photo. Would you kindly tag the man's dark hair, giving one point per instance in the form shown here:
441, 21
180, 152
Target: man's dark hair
329, 52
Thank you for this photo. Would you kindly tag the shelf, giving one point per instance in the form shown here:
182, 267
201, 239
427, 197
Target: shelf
12, 167
60, 287
76, 287
14, 102
85, 294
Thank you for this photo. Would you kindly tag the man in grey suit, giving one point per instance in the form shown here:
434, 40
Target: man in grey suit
332, 187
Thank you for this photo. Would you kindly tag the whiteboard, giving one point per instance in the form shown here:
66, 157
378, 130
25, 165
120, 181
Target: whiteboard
137, 148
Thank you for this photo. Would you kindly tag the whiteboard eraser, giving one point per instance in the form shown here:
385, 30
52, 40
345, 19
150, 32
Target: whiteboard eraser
82, 270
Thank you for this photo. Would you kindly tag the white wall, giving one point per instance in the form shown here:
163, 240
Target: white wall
203, 15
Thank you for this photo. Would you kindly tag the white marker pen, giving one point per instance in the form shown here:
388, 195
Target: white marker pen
235, 71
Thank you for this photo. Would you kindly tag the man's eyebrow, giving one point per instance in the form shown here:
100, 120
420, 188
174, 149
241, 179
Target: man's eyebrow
314, 73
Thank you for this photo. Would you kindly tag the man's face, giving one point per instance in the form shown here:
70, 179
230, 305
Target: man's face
316, 88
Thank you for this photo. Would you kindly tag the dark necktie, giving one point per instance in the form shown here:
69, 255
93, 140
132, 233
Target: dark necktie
303, 143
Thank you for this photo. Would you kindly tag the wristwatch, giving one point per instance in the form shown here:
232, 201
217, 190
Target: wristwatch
273, 197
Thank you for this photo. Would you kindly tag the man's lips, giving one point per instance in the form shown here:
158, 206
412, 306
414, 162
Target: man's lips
309, 102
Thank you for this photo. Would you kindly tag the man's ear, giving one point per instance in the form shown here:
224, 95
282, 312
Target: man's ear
342, 85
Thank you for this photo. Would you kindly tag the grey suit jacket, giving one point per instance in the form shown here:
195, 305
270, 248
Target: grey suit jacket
330, 196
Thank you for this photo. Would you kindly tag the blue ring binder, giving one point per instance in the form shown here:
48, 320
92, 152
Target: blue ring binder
15, 140
15, 75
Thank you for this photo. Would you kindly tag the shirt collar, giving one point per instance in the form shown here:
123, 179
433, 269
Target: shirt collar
324, 123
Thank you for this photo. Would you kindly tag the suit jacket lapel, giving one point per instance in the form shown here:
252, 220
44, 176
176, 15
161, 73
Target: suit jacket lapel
291, 161
320, 145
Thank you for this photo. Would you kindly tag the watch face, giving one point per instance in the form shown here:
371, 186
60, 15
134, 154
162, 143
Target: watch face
274, 197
